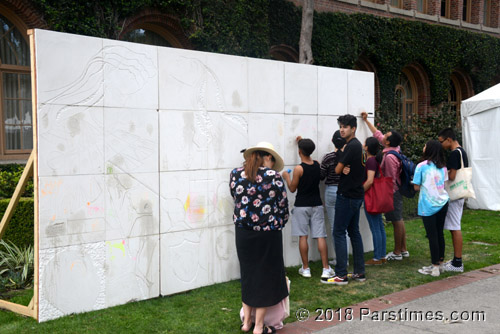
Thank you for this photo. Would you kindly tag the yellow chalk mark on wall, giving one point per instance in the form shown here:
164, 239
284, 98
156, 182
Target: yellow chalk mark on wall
116, 245
187, 203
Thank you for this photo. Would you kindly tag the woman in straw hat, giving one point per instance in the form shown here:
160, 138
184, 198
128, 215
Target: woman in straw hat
260, 213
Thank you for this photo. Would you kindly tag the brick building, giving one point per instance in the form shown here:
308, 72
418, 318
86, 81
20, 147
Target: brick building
153, 26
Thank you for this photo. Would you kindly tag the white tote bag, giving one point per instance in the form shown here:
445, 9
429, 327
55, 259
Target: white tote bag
461, 187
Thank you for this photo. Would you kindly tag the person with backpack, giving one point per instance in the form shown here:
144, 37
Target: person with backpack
392, 166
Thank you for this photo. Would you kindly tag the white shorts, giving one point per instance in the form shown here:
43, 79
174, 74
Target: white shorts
454, 215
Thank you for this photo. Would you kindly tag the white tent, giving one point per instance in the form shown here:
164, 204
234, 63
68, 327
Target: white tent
481, 137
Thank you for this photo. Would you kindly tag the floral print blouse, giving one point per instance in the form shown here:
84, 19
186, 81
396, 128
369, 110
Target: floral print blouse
261, 206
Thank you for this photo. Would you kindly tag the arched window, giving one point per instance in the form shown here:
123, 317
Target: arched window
153, 27
406, 97
15, 91
460, 89
146, 36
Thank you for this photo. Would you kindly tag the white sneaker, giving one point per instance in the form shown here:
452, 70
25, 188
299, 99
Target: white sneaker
391, 256
430, 270
327, 272
450, 267
405, 254
305, 272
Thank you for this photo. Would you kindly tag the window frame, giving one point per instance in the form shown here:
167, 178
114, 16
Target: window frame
21, 154
447, 9
400, 4
487, 13
467, 4
425, 7
413, 101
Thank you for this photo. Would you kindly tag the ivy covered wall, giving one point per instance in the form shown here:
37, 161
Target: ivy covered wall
250, 27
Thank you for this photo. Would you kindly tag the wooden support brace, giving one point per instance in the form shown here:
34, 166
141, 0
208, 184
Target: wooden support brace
21, 309
21, 185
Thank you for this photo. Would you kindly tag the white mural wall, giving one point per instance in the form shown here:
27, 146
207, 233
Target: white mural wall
135, 146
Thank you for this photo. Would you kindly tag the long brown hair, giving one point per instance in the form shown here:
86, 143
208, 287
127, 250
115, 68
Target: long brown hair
252, 164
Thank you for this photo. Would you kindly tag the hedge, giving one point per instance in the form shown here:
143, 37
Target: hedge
20, 229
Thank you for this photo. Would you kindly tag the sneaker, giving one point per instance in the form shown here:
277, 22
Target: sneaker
305, 272
335, 280
358, 277
327, 273
448, 266
430, 270
405, 254
373, 262
391, 256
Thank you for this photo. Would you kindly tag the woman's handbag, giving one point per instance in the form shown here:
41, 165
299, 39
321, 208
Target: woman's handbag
379, 198
461, 186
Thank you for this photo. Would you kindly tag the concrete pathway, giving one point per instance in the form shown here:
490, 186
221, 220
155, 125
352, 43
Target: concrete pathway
464, 303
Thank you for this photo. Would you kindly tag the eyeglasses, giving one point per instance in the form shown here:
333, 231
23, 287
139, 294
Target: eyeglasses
442, 141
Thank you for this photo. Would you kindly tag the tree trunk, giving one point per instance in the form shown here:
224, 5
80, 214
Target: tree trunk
305, 51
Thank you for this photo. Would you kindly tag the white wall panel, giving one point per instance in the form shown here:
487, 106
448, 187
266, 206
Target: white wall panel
184, 200
130, 75
132, 267
360, 92
132, 205
70, 139
72, 210
184, 137
332, 91
301, 89
266, 86
130, 140
74, 69
182, 79
227, 83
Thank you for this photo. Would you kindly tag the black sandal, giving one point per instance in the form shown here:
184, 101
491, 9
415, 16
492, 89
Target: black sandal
251, 327
268, 330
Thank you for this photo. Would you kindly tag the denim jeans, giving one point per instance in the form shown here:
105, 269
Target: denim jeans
378, 235
347, 219
330, 200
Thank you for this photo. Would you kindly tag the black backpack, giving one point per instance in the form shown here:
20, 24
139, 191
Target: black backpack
407, 171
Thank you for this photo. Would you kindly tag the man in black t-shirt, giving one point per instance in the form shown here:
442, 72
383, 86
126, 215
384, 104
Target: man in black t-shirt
349, 199
448, 140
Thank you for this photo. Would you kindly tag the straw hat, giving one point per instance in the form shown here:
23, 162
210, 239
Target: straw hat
269, 148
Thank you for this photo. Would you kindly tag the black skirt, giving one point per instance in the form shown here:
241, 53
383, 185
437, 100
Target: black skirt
262, 268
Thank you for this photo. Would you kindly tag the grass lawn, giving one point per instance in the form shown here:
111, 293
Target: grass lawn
215, 309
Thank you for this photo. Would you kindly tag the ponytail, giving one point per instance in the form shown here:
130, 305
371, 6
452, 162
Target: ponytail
252, 164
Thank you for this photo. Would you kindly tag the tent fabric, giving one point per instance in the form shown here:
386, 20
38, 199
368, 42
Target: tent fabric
486, 100
481, 139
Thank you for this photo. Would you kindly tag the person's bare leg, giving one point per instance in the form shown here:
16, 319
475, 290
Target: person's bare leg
323, 252
260, 312
403, 244
456, 237
247, 317
398, 236
304, 251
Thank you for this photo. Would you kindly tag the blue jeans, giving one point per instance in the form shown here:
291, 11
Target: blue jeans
347, 219
378, 235
330, 201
